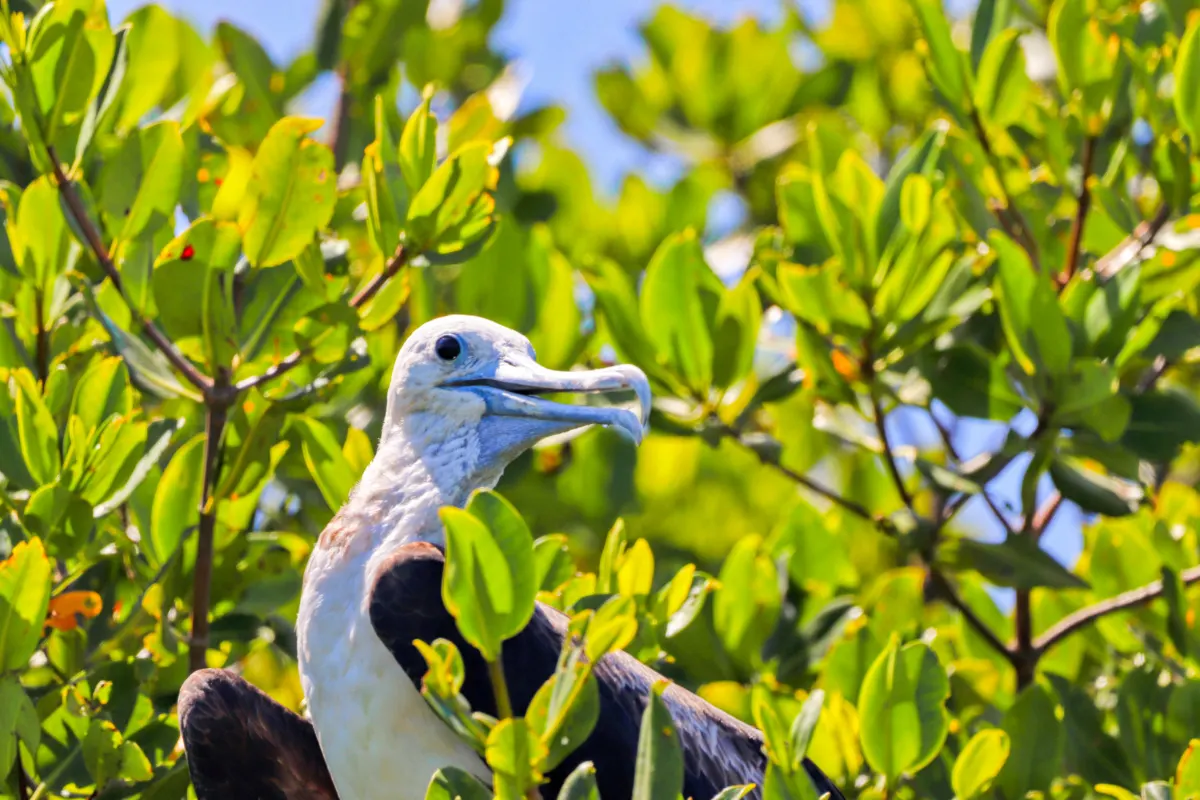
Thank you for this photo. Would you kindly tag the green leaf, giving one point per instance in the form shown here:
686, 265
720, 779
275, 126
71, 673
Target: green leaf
636, 574
177, 499
679, 296
920, 159
610, 557
1037, 739
1002, 92
947, 65
454, 209
747, 604
99, 111
511, 753
452, 783
514, 545
991, 19
553, 565
101, 392
36, 428
803, 727
193, 288
102, 751
735, 337
819, 296
902, 709
1092, 491
1017, 562
1173, 595
418, 145
489, 583
564, 711
18, 721
979, 763
291, 195
1033, 322
326, 462
1160, 422
24, 599
387, 193
1187, 80
612, 628
618, 306
658, 771
64, 69
974, 384
140, 185
580, 784
43, 242
1187, 774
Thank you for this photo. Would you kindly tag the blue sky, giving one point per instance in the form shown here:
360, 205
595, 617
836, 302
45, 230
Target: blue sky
559, 46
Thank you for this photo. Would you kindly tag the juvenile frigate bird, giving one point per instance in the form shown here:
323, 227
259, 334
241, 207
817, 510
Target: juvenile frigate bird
462, 404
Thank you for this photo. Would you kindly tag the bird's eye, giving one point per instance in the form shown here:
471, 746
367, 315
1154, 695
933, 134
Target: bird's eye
448, 348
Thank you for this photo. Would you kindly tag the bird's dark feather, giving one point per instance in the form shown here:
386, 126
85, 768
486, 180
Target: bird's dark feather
719, 750
242, 745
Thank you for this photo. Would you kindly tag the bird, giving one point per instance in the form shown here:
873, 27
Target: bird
463, 402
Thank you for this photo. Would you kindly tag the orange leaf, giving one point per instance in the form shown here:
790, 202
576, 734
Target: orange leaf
845, 365
65, 608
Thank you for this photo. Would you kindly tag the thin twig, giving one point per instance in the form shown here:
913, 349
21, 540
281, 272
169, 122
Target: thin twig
1086, 616
399, 259
1154, 374
92, 236
953, 507
369, 290
214, 427
1010, 216
857, 509
946, 591
1081, 211
1045, 514
42, 358
889, 457
1131, 248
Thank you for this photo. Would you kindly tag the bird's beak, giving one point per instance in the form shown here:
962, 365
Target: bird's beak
510, 387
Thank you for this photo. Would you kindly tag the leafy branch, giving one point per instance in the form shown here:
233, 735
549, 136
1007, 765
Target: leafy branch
289, 362
1073, 623
1083, 204
92, 239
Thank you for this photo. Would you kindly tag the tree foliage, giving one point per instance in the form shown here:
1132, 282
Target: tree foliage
963, 266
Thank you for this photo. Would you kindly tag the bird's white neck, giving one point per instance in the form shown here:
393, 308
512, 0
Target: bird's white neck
416, 472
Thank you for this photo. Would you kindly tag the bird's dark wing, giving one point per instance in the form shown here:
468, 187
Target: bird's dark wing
719, 751
242, 745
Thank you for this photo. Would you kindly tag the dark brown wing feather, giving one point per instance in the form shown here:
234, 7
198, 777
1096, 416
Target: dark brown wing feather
719, 750
242, 745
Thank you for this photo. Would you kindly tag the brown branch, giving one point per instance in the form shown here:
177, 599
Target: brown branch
360, 298
42, 358
92, 236
1045, 514
341, 123
214, 427
889, 457
954, 507
946, 591
1009, 215
1081, 212
854, 508
1131, 248
1153, 374
399, 259
1122, 602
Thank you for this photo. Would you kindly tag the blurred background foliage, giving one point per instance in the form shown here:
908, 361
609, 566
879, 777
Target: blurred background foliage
961, 303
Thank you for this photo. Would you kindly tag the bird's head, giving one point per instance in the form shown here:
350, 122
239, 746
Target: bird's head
468, 391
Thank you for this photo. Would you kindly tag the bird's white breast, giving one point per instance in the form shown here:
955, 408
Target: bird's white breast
380, 739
